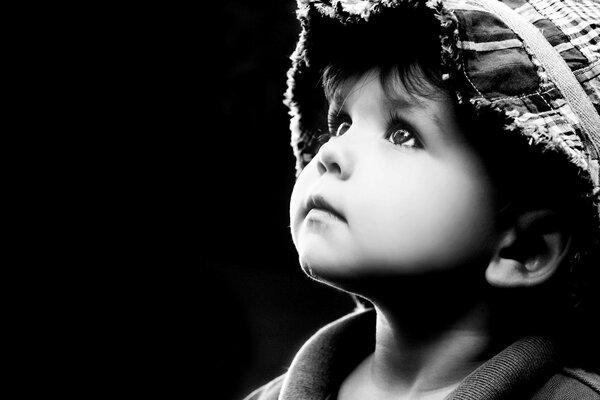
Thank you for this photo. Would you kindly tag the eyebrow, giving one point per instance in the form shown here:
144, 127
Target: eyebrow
438, 122
340, 94
394, 100
401, 102
337, 100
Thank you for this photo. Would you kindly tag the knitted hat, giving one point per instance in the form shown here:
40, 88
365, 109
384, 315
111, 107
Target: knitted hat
535, 61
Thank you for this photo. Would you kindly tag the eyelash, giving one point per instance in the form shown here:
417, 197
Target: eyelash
396, 124
336, 119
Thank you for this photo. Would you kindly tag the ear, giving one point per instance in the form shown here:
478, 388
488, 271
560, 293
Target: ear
530, 251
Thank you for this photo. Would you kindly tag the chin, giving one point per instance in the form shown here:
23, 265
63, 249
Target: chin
333, 272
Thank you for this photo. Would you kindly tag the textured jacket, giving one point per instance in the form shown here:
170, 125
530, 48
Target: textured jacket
528, 369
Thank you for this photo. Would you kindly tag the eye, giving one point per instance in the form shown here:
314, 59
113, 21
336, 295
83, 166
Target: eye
342, 128
337, 126
402, 137
338, 121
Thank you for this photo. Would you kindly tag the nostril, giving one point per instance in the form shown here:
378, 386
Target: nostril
328, 165
321, 168
334, 158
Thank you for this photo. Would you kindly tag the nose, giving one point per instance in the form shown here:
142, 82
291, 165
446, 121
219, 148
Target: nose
335, 157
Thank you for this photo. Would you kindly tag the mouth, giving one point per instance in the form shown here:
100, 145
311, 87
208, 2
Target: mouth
319, 204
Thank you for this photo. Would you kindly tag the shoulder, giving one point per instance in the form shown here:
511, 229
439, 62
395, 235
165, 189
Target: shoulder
571, 383
346, 340
269, 391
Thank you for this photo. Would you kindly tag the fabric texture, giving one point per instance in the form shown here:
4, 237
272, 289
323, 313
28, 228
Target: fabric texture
537, 62
528, 369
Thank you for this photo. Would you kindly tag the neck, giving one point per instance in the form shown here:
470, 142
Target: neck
427, 341
407, 359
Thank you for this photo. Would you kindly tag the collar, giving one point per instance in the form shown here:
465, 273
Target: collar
330, 355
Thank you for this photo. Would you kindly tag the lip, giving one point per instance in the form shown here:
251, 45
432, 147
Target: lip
318, 202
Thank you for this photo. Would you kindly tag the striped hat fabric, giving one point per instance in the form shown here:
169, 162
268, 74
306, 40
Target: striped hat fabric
535, 61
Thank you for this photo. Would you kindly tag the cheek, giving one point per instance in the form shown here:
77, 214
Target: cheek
428, 219
459, 220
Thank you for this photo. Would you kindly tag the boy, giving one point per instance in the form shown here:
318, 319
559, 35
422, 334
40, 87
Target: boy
447, 157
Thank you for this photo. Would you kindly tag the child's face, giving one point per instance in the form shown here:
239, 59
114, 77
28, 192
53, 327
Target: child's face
411, 193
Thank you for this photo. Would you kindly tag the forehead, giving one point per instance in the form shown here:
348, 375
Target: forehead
400, 88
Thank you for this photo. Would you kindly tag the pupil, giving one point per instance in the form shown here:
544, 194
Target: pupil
398, 136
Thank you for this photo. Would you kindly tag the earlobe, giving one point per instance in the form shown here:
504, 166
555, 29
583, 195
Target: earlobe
530, 251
